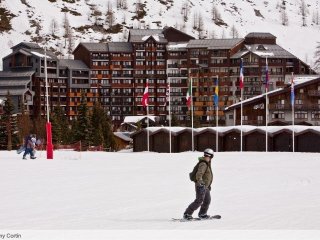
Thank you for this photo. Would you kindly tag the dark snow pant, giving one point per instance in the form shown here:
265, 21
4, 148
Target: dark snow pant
203, 199
28, 151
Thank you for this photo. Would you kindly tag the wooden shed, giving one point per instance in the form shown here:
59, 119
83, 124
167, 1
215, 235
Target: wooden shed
160, 141
282, 141
307, 141
255, 140
140, 141
122, 139
231, 140
207, 139
184, 140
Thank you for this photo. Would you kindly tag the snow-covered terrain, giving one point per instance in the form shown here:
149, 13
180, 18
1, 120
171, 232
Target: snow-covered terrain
134, 195
33, 18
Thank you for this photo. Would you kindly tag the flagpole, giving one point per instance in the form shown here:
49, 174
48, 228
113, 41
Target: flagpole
148, 127
292, 106
169, 119
217, 113
267, 103
48, 124
266, 119
145, 103
241, 105
192, 116
148, 117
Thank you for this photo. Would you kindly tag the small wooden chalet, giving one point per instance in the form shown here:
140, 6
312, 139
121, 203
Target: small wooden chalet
306, 106
207, 139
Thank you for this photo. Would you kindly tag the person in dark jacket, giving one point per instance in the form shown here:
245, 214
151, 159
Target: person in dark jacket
29, 147
203, 183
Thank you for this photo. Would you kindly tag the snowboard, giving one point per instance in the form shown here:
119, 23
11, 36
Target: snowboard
196, 219
21, 149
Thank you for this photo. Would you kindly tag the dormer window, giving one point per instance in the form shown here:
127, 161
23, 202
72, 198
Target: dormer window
261, 47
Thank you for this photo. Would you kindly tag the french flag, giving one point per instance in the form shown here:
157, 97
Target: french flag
241, 74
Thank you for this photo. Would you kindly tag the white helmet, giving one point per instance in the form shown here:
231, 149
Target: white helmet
208, 152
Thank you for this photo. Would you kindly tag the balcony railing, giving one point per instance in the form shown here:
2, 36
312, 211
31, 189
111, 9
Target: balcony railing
314, 93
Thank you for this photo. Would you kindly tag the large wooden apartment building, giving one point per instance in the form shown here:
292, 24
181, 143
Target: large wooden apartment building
115, 73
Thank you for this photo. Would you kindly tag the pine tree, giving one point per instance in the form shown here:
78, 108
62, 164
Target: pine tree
60, 126
97, 119
24, 124
304, 12
317, 57
102, 132
66, 28
110, 18
82, 125
8, 109
234, 32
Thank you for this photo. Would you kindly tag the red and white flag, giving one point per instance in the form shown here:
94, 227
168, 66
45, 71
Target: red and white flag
189, 97
167, 94
145, 97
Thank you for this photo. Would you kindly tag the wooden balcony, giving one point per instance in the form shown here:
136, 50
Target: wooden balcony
314, 93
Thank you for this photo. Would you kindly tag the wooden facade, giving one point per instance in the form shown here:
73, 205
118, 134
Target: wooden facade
161, 143
306, 140
306, 106
255, 141
115, 73
207, 139
282, 141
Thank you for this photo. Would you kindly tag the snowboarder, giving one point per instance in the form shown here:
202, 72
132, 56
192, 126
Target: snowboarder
29, 147
203, 180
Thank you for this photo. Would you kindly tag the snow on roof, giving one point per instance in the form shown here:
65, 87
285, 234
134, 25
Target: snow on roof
253, 98
135, 119
176, 46
123, 135
155, 36
297, 80
263, 54
39, 54
243, 128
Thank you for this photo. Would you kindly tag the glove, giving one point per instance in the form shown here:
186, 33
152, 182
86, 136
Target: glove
202, 188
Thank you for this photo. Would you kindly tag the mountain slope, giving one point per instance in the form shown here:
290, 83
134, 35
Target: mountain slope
33, 20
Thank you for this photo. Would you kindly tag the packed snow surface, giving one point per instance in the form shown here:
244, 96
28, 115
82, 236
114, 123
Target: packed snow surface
142, 191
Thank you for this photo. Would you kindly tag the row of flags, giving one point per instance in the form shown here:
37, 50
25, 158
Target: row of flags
145, 103
145, 97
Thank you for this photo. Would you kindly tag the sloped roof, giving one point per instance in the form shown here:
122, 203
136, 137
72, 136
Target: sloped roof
214, 43
9, 74
27, 45
141, 35
95, 47
145, 32
123, 135
72, 64
177, 46
263, 50
13, 92
142, 38
14, 82
259, 35
135, 119
124, 47
274, 92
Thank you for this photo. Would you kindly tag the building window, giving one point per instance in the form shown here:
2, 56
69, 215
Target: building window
278, 115
315, 115
301, 115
